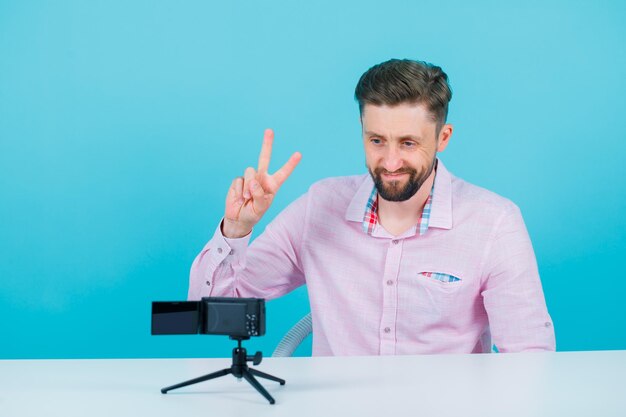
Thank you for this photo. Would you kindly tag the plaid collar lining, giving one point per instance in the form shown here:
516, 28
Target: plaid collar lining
370, 219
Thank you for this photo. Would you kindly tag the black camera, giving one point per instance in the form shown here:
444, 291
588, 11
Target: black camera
239, 318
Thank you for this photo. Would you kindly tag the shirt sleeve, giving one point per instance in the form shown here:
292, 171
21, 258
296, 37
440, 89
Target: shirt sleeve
512, 292
267, 268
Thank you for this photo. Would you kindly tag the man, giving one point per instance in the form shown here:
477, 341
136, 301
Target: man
406, 260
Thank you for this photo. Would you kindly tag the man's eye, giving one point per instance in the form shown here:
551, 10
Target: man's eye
409, 144
375, 141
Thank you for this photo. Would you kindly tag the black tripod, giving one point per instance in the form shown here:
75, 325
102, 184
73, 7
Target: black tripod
239, 369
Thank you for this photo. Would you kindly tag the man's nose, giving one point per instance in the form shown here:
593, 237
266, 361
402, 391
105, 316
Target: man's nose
392, 161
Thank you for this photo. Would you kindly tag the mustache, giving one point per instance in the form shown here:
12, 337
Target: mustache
379, 171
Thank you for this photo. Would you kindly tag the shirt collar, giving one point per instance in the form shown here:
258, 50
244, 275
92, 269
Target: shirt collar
441, 205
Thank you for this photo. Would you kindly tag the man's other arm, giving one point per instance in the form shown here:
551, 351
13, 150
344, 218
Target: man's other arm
512, 292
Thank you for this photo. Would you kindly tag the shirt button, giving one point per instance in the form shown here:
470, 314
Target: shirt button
390, 282
219, 250
395, 241
231, 251
387, 329
548, 324
208, 283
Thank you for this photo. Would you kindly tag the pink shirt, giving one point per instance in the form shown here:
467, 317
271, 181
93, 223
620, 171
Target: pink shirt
378, 294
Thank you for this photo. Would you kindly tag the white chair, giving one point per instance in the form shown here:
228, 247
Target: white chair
293, 338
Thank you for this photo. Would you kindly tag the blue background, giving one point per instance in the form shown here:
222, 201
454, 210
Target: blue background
122, 124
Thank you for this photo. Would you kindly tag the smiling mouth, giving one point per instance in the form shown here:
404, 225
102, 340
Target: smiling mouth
394, 176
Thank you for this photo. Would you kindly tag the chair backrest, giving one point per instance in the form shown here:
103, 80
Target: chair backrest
294, 337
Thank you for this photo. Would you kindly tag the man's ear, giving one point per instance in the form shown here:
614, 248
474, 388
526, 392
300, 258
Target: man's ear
444, 137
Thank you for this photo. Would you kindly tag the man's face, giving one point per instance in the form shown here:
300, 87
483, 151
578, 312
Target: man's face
401, 144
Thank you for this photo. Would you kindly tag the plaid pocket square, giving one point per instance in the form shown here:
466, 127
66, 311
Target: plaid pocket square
439, 276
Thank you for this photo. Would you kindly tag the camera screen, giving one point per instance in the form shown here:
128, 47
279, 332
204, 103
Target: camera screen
226, 318
175, 317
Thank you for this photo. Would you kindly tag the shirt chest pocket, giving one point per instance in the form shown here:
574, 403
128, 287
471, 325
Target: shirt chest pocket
434, 289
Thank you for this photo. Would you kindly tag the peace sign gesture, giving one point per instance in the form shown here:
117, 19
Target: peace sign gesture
250, 196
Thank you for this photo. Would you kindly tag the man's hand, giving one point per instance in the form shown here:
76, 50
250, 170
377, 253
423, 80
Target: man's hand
250, 196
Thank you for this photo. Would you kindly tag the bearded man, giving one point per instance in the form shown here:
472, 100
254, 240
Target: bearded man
407, 259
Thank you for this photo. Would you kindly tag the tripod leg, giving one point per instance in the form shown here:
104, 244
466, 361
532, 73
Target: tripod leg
196, 380
267, 376
252, 380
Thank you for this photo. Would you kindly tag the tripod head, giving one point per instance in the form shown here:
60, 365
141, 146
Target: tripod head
240, 355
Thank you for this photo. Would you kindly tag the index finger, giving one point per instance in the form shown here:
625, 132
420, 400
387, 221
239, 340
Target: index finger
285, 171
266, 151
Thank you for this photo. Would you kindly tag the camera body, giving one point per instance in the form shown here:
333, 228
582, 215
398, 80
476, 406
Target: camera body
239, 318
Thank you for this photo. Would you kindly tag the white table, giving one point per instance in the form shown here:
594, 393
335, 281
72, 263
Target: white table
590, 384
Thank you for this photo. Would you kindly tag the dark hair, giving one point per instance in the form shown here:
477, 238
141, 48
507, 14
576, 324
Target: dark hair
406, 81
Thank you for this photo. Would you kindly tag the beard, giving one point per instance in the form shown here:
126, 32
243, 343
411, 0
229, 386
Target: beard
394, 190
